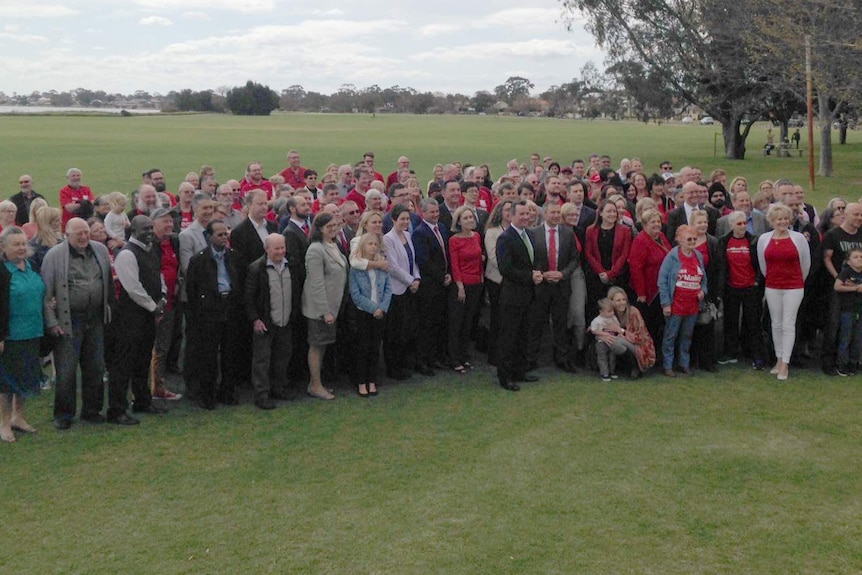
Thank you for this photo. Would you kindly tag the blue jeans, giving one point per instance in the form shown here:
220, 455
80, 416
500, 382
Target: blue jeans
849, 338
677, 327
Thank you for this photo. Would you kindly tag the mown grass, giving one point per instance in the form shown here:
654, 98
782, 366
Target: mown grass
726, 473
730, 473
113, 151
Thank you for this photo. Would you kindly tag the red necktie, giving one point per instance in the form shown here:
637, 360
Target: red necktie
552, 249
440, 241
305, 229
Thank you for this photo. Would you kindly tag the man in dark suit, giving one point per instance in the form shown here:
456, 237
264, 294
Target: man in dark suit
556, 257
694, 196
400, 196
431, 242
23, 199
246, 240
296, 233
451, 201
586, 214
212, 286
515, 257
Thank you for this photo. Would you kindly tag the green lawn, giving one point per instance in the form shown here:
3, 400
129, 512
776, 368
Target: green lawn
113, 151
732, 473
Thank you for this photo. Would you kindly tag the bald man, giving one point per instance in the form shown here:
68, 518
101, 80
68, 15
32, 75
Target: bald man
79, 292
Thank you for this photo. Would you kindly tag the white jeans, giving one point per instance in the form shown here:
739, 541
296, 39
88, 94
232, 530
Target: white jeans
783, 306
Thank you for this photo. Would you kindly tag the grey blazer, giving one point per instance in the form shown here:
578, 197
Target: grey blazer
758, 222
192, 241
325, 281
55, 274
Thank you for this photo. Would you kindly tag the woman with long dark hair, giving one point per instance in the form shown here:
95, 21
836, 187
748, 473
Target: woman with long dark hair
607, 252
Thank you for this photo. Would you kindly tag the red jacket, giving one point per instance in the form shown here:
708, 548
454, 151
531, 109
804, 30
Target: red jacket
645, 260
620, 254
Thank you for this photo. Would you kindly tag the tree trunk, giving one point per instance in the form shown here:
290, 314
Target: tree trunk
785, 131
825, 138
734, 142
842, 138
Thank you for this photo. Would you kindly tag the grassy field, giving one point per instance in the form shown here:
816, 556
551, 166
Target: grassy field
113, 151
713, 474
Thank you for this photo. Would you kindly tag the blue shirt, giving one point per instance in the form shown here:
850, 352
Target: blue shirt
26, 294
223, 277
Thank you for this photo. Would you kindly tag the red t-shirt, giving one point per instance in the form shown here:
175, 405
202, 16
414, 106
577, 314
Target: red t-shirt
782, 265
704, 251
689, 280
265, 185
741, 272
170, 270
70, 195
354, 196
295, 179
465, 255
186, 219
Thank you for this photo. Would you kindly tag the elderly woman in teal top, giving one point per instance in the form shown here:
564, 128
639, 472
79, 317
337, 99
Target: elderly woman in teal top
21, 298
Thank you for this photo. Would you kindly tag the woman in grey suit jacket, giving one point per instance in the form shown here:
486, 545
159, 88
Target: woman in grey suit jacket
322, 294
399, 335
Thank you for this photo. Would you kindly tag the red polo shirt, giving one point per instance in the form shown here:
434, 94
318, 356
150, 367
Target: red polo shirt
69, 195
295, 179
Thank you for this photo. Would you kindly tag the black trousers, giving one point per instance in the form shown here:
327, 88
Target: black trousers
369, 334
132, 352
653, 318
213, 343
744, 329
551, 300
494, 321
431, 311
399, 335
514, 323
461, 315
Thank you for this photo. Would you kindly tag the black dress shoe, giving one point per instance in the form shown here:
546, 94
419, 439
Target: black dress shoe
287, 395
151, 408
208, 404
228, 400
96, 418
123, 419
62, 424
532, 365
506, 384
526, 378
265, 404
424, 370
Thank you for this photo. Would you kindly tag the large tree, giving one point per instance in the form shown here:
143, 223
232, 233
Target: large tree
833, 27
693, 46
253, 99
513, 88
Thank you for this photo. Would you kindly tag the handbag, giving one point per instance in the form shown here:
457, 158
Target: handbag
708, 313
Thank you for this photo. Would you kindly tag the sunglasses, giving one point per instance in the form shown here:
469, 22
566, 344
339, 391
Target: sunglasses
24, 182
352, 212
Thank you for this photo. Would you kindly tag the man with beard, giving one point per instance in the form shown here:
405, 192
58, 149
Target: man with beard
141, 304
75, 199
147, 201
224, 196
254, 180
157, 180
294, 173
296, 231
23, 199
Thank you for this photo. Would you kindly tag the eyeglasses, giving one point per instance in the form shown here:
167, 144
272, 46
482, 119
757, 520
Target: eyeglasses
691, 239
667, 167
352, 212
24, 181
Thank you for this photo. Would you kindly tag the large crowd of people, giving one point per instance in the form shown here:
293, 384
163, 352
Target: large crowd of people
282, 285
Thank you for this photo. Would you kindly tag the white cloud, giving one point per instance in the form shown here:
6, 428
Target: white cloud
521, 18
196, 15
244, 6
432, 30
155, 21
333, 13
22, 37
25, 9
495, 50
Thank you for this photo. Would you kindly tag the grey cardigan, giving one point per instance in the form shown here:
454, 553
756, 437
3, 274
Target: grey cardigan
325, 281
55, 274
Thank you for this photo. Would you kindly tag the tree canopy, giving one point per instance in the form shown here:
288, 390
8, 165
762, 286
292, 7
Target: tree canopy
253, 99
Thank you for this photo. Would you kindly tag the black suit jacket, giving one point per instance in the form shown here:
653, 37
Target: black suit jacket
22, 216
676, 218
445, 216
247, 246
297, 244
513, 260
430, 255
201, 283
567, 258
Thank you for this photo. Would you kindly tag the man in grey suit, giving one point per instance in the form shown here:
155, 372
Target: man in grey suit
756, 223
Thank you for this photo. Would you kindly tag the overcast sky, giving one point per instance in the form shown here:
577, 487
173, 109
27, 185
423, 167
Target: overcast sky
163, 45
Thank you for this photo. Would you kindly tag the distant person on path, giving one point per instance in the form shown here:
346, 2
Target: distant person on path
795, 138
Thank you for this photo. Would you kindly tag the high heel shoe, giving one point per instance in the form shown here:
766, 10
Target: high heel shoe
360, 388
372, 390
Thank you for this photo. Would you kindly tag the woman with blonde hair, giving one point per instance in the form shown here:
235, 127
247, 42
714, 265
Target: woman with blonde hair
785, 259
8, 210
31, 227
48, 221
